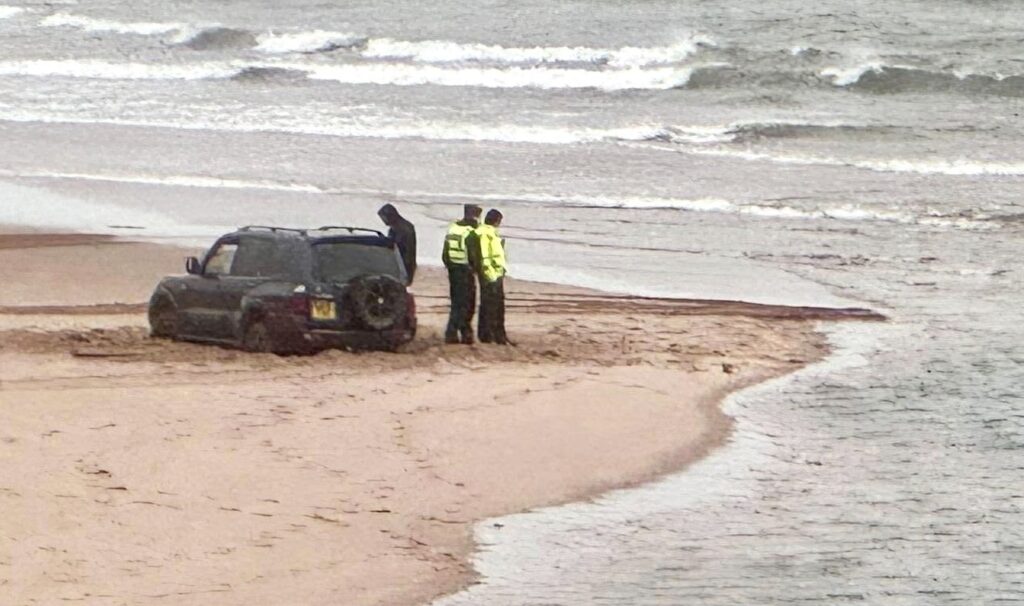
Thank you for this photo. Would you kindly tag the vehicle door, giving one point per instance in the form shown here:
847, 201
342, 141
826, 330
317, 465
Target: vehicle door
200, 304
257, 262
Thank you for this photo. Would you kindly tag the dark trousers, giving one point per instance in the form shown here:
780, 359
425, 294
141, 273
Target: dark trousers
462, 290
491, 328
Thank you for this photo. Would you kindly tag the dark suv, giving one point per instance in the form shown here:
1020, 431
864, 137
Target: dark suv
272, 289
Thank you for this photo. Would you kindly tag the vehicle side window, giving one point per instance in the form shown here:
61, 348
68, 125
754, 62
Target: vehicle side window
220, 261
260, 258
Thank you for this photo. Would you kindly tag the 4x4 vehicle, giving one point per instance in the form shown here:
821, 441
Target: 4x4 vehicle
272, 289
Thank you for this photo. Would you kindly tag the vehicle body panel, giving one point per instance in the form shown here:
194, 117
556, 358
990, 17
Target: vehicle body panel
275, 277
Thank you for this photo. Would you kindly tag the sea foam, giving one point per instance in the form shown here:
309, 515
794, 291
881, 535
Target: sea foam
446, 51
951, 167
843, 212
513, 77
305, 42
365, 73
90, 24
6, 12
170, 180
845, 76
847, 212
372, 127
106, 70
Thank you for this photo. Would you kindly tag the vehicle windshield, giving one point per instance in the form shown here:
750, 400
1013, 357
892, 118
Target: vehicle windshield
341, 261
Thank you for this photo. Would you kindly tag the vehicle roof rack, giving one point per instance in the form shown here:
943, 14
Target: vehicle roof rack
272, 229
351, 230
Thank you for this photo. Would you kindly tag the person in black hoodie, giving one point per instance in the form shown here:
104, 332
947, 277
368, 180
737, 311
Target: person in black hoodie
403, 234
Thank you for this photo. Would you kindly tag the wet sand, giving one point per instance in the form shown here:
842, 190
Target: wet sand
145, 472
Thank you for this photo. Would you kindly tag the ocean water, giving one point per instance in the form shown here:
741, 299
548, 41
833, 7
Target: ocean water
818, 153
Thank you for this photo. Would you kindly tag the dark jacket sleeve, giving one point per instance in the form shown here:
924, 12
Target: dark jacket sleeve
473, 248
405, 238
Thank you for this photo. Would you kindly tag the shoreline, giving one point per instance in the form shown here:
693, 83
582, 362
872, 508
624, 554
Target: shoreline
589, 402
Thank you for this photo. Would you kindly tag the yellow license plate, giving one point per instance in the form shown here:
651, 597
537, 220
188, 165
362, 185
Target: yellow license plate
322, 309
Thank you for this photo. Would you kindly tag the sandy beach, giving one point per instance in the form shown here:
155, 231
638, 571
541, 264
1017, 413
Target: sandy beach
652, 441
140, 471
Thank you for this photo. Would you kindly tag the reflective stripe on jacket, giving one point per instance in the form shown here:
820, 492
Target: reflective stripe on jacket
455, 242
492, 253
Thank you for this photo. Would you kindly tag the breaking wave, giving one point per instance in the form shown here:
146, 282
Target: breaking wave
381, 74
748, 131
964, 167
445, 51
316, 41
426, 51
875, 76
878, 77
845, 76
196, 37
804, 51
215, 37
728, 76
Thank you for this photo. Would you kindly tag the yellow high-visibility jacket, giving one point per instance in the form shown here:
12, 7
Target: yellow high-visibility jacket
492, 253
455, 243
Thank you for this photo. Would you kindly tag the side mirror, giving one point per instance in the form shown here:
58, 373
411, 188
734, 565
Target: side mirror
192, 266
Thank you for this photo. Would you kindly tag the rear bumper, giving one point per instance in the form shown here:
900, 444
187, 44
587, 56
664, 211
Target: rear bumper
303, 334
358, 339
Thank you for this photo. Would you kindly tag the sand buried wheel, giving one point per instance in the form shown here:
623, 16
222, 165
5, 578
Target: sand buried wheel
163, 318
257, 338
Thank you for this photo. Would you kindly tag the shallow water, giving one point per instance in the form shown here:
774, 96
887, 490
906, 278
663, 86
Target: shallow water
823, 154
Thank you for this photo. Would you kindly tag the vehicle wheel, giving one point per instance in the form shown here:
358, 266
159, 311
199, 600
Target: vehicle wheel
398, 345
257, 338
379, 301
163, 318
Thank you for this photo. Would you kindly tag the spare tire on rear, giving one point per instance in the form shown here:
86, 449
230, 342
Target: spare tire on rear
380, 302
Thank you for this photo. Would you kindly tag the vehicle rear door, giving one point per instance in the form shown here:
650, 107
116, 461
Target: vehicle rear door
258, 262
200, 302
